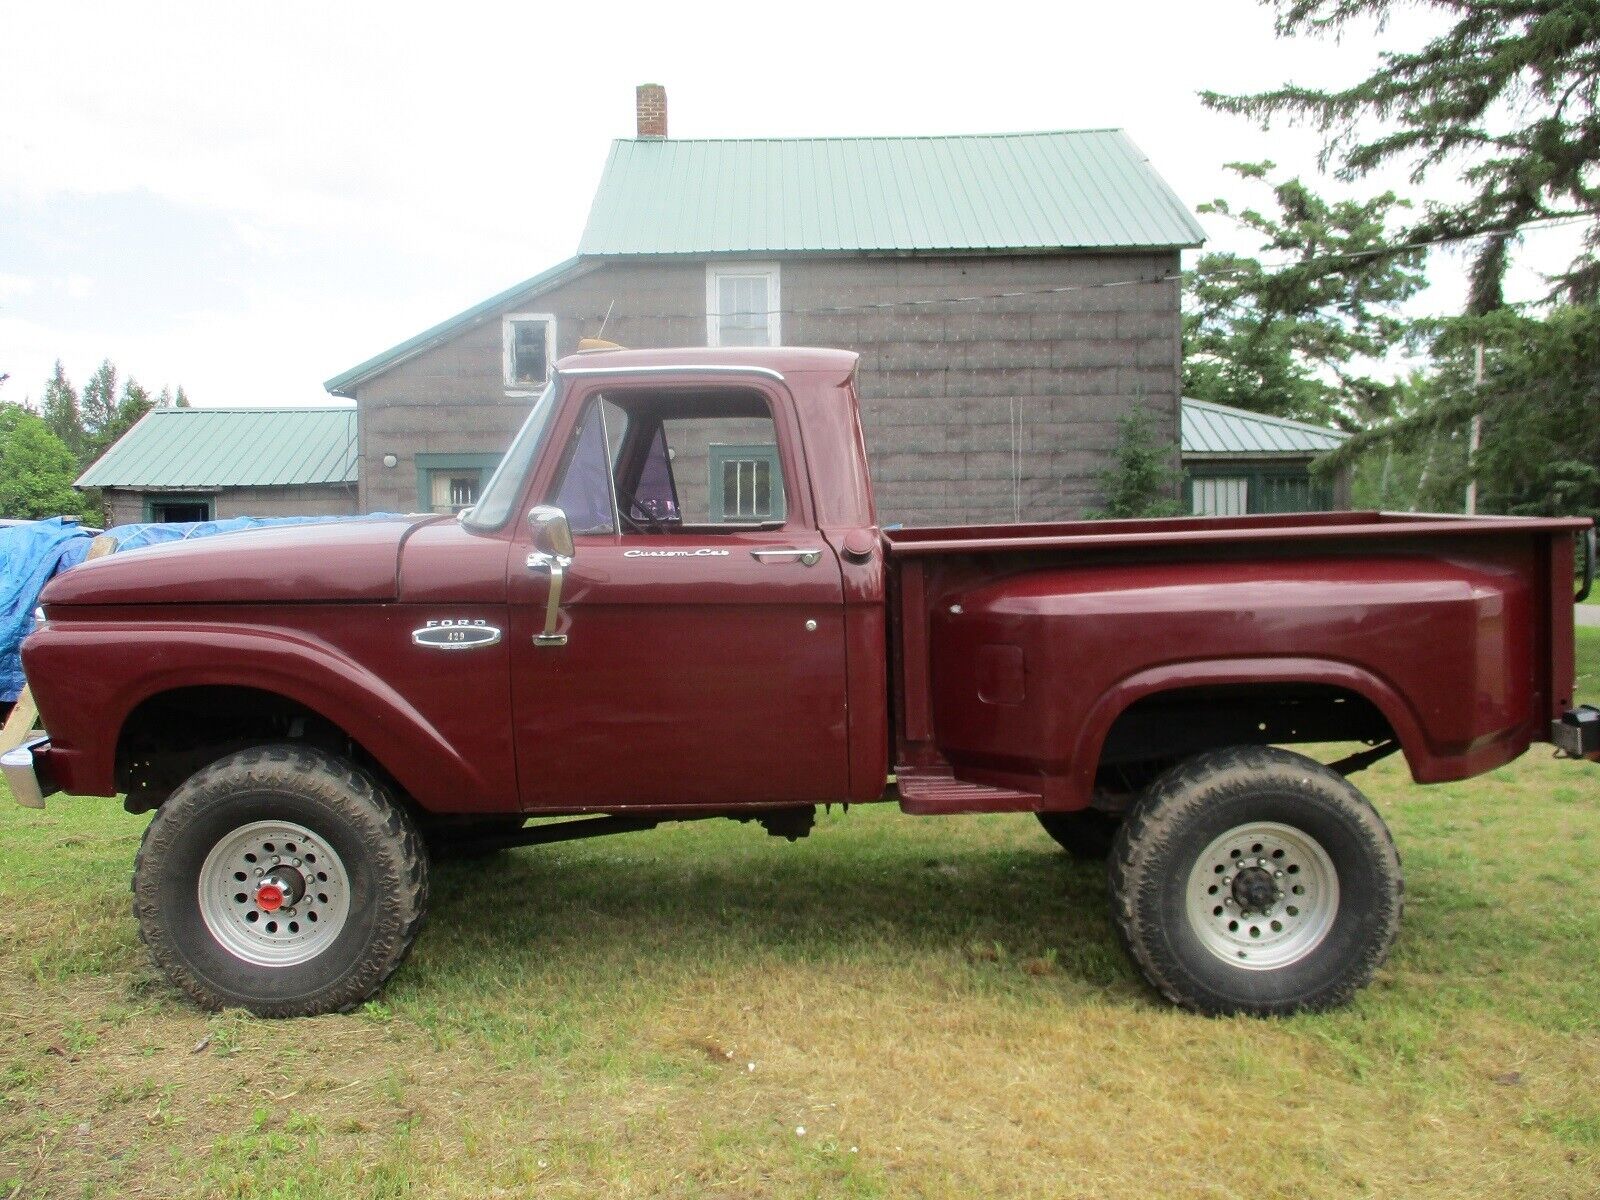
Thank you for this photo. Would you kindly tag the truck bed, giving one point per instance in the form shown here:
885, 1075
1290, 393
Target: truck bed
1037, 660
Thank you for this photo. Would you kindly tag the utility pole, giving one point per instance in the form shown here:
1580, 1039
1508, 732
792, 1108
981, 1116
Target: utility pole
1477, 430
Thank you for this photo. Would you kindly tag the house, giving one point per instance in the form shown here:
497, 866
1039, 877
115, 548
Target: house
1011, 296
207, 464
1237, 462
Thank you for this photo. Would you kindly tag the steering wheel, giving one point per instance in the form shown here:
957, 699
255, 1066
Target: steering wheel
644, 522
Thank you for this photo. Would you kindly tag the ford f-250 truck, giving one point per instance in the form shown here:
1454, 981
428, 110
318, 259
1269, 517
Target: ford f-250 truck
673, 601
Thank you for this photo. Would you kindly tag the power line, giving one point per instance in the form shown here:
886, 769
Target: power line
1137, 281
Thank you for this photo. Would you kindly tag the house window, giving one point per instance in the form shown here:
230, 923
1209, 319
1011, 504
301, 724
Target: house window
530, 348
746, 483
1221, 497
448, 483
177, 509
742, 303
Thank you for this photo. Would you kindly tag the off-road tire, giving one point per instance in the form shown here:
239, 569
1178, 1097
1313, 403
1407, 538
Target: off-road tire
376, 840
1086, 834
1184, 812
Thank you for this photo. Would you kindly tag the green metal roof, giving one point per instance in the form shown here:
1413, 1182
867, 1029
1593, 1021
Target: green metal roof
230, 447
342, 385
1084, 189
1217, 429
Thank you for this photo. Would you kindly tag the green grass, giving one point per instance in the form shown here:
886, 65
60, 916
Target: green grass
938, 1003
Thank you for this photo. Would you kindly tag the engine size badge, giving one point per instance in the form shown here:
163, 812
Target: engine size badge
463, 634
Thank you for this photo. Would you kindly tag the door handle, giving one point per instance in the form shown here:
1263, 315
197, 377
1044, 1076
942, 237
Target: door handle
807, 557
555, 565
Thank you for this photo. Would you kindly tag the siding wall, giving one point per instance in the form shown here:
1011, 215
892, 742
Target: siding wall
127, 507
974, 412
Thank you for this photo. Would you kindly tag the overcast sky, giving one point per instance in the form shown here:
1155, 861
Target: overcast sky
247, 201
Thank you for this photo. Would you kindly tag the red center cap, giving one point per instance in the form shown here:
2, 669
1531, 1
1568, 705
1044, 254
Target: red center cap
269, 897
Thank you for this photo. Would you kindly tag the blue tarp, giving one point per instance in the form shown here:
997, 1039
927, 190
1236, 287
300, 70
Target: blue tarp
32, 553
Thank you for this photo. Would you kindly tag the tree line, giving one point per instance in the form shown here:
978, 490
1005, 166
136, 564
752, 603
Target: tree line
44, 449
1497, 121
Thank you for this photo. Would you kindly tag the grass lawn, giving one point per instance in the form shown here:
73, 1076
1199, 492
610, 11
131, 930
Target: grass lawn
897, 1006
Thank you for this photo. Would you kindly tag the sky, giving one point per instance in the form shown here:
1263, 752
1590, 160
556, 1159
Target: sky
247, 201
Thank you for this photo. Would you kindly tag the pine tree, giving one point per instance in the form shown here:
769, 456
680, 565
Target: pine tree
1299, 338
99, 404
1507, 100
61, 412
181, 400
1141, 482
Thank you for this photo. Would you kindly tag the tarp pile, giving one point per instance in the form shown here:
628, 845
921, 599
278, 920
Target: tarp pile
33, 553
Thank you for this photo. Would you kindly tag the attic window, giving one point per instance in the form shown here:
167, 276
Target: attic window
530, 348
742, 305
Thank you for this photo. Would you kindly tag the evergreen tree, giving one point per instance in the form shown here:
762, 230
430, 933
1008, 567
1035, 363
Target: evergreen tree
181, 400
1300, 336
99, 404
61, 412
1507, 99
1141, 482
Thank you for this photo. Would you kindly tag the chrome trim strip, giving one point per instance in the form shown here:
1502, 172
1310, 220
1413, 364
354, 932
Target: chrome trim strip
21, 777
676, 369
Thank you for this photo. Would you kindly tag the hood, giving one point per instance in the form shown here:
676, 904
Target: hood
340, 560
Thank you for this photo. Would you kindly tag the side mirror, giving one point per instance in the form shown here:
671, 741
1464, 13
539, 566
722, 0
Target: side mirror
551, 554
551, 533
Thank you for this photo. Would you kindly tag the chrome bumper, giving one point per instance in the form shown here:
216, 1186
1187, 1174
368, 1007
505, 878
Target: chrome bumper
24, 776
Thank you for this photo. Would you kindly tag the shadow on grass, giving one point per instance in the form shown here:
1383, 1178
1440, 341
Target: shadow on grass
698, 897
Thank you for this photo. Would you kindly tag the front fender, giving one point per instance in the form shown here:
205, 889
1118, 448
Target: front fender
90, 675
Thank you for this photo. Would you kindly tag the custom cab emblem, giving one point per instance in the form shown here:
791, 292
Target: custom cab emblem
703, 552
456, 635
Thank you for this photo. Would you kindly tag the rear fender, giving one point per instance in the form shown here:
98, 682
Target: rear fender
1408, 729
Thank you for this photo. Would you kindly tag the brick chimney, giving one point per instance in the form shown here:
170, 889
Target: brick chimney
650, 99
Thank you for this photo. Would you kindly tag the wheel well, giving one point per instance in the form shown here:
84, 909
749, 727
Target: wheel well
171, 735
1156, 731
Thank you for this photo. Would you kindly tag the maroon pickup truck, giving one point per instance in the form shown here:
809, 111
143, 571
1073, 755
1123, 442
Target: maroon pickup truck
673, 601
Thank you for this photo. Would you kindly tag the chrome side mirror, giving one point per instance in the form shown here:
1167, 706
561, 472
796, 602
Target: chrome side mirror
551, 533
552, 553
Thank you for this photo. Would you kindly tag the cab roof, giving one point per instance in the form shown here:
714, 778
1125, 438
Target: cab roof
839, 365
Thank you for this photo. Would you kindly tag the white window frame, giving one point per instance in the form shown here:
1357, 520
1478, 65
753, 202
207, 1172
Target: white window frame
717, 271
507, 347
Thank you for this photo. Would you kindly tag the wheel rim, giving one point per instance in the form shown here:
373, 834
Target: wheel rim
274, 894
1262, 896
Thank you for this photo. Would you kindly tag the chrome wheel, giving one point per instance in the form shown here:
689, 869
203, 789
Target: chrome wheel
274, 894
1262, 896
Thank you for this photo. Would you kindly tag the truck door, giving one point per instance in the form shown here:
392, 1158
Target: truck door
697, 654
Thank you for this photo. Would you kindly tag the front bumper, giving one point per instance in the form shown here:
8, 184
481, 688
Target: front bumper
27, 775
1578, 732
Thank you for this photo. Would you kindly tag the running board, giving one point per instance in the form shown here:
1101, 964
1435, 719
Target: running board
939, 793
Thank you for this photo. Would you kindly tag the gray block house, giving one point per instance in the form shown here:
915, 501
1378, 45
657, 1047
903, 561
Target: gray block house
1011, 296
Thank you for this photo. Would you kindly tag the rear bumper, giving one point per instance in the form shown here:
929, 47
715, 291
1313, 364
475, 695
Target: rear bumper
27, 773
1578, 732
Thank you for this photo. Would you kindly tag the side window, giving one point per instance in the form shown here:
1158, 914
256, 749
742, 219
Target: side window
727, 469
585, 493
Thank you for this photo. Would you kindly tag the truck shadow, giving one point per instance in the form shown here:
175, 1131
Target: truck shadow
662, 900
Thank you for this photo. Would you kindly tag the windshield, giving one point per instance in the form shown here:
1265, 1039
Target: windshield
500, 493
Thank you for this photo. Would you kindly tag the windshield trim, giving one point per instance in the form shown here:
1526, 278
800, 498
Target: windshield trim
518, 460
